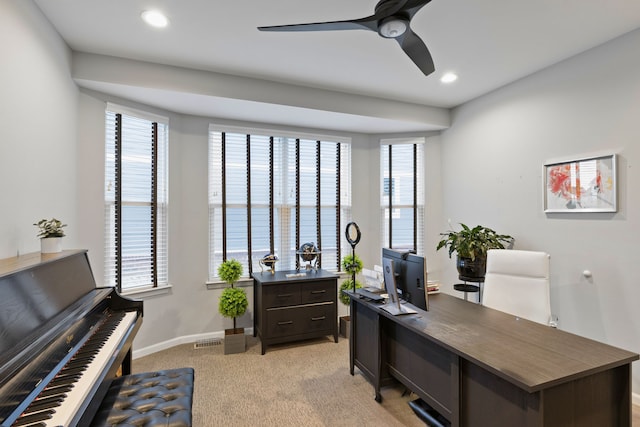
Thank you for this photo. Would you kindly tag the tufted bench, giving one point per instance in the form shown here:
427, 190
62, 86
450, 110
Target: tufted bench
162, 398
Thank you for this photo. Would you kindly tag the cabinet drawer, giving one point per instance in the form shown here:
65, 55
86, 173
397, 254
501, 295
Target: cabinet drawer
313, 292
282, 322
281, 295
320, 317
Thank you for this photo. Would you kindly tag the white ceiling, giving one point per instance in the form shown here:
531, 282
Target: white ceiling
487, 43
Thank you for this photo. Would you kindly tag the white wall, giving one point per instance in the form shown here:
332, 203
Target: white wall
38, 109
492, 159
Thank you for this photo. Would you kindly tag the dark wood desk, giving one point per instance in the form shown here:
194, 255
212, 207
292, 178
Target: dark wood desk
480, 367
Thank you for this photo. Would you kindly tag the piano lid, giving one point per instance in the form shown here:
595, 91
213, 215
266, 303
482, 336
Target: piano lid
34, 295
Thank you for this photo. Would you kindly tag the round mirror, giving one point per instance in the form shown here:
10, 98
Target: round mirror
352, 233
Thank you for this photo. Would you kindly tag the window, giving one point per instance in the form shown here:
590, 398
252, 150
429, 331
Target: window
402, 194
135, 199
269, 194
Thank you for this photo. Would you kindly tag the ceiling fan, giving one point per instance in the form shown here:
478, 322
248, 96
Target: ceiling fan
391, 20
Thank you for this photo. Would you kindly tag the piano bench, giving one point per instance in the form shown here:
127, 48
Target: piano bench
162, 398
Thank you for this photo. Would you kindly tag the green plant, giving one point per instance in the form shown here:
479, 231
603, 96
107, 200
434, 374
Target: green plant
233, 303
50, 228
347, 285
230, 271
352, 264
473, 242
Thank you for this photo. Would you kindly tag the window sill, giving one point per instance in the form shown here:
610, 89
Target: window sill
148, 291
242, 283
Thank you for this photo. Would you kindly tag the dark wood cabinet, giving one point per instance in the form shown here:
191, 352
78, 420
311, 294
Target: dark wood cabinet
294, 305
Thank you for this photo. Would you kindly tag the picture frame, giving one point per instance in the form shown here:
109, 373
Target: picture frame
587, 184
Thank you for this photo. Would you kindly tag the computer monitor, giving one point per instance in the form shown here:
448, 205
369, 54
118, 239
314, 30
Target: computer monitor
393, 306
411, 276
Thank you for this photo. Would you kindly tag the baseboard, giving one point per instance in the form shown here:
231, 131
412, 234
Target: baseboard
187, 339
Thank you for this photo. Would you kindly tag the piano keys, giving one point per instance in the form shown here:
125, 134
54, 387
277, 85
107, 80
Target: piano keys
62, 339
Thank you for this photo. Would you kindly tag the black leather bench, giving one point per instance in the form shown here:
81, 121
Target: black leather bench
162, 398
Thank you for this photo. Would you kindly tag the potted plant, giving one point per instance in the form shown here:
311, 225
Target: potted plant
50, 234
471, 246
351, 264
233, 303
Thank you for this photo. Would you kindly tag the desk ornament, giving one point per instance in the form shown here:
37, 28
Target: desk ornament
269, 261
309, 253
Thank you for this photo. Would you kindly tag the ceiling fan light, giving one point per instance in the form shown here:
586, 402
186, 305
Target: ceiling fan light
393, 28
155, 18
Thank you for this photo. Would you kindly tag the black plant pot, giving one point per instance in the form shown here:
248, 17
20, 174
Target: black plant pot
471, 270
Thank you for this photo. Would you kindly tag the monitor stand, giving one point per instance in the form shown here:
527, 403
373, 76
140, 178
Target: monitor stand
397, 309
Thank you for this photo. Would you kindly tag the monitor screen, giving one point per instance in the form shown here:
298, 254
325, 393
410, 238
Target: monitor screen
411, 276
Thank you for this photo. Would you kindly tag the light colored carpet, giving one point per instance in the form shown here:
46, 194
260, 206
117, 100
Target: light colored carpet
301, 384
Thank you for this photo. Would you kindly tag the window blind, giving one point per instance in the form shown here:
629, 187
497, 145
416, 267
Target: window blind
402, 193
270, 194
135, 199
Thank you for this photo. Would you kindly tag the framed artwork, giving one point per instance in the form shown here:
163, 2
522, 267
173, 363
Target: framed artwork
581, 185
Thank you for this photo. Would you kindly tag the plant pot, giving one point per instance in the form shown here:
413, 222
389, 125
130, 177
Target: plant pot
471, 270
345, 326
50, 245
234, 341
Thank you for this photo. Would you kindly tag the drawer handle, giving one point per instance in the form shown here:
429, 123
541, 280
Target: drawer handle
319, 292
285, 295
290, 322
318, 318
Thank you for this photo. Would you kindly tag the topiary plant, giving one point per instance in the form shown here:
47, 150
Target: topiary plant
347, 285
230, 271
233, 301
352, 264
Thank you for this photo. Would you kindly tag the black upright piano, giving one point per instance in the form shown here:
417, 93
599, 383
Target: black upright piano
62, 339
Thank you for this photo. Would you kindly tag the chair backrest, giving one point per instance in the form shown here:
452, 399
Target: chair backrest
517, 282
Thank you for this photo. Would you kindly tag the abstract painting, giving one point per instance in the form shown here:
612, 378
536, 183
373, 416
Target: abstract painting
582, 185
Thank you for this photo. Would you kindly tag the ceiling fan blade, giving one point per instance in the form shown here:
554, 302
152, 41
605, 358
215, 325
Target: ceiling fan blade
413, 6
415, 48
368, 23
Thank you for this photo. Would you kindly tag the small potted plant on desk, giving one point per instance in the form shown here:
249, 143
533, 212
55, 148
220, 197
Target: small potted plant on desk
351, 264
50, 234
233, 303
471, 246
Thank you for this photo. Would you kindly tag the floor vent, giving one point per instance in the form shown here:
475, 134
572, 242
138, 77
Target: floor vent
209, 342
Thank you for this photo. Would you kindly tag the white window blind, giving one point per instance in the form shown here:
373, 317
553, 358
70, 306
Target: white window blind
402, 193
269, 194
136, 199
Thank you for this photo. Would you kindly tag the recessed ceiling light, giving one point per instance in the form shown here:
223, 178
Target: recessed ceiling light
449, 78
155, 18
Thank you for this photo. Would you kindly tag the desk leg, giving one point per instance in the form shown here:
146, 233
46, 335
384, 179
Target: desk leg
352, 335
255, 313
378, 375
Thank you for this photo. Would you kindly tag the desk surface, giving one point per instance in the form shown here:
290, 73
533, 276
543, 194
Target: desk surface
527, 354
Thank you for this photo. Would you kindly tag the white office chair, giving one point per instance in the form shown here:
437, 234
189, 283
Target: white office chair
517, 282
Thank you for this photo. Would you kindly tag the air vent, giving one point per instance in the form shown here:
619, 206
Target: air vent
209, 342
